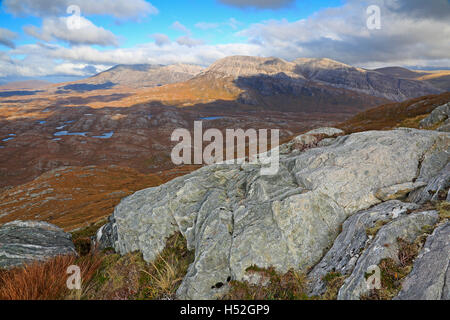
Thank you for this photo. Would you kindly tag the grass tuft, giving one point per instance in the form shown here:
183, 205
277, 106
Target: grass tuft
46, 280
394, 271
333, 281
289, 286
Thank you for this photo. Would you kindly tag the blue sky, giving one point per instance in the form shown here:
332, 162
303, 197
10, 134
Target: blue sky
36, 42
187, 12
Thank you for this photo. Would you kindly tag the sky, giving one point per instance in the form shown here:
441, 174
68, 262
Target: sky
61, 40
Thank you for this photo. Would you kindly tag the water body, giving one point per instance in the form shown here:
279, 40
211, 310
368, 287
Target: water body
106, 135
67, 133
61, 127
211, 118
7, 139
42, 122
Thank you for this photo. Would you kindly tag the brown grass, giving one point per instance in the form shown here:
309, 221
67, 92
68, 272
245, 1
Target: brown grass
333, 281
289, 286
393, 115
162, 278
129, 277
46, 280
394, 271
78, 196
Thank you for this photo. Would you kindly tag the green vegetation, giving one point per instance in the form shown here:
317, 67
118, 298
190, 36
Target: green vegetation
374, 230
443, 209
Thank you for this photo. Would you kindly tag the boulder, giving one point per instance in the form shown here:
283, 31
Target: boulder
26, 241
234, 217
312, 138
437, 116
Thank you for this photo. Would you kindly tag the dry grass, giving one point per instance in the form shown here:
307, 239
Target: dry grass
333, 281
394, 271
46, 280
289, 286
129, 277
444, 210
163, 277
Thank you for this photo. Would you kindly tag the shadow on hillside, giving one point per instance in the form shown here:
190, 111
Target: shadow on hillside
288, 94
87, 100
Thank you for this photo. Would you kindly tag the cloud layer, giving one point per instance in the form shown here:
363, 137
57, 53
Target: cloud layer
7, 37
122, 9
63, 29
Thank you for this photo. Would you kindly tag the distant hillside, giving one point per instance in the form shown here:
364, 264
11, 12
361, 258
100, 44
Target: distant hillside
400, 72
25, 85
389, 116
438, 79
136, 76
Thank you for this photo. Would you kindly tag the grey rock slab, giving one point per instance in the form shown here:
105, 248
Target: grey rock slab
435, 186
429, 278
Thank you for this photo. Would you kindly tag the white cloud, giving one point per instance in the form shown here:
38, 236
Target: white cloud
121, 9
41, 59
7, 37
342, 34
161, 39
180, 27
59, 29
189, 42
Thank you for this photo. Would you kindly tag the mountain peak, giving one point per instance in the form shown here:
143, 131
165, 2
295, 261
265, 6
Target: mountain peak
238, 66
322, 63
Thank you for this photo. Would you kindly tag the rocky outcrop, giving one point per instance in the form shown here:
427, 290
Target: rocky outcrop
26, 241
436, 189
311, 139
233, 217
438, 116
429, 278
